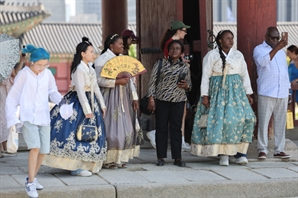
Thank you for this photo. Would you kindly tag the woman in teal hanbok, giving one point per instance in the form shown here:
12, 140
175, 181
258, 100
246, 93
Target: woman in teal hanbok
225, 96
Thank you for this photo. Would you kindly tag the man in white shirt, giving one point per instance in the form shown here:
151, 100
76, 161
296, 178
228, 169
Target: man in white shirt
273, 90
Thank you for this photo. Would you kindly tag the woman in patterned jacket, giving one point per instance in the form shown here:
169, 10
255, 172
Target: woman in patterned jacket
166, 99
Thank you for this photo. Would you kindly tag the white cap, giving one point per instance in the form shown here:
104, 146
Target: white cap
66, 111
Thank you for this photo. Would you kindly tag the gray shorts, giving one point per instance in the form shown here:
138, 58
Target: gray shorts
37, 137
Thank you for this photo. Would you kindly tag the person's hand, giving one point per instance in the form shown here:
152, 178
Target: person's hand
103, 112
151, 104
290, 98
122, 81
183, 84
183, 59
281, 44
205, 101
23, 59
89, 115
250, 100
135, 105
62, 102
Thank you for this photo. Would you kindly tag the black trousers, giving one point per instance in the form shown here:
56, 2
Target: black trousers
168, 113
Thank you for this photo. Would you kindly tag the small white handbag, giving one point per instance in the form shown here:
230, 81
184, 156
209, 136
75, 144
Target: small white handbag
203, 120
13, 140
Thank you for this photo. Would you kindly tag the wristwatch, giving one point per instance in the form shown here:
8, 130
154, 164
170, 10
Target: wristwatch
188, 88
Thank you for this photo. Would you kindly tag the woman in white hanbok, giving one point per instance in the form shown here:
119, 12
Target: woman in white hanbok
225, 96
67, 152
120, 96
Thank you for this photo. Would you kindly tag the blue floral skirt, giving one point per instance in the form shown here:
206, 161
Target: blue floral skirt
230, 122
66, 152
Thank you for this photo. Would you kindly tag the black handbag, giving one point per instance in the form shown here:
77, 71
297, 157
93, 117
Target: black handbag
144, 106
87, 133
144, 101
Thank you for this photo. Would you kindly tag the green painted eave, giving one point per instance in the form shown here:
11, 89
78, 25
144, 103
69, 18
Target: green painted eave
18, 28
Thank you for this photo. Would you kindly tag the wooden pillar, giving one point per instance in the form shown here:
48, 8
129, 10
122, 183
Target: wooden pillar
114, 17
253, 18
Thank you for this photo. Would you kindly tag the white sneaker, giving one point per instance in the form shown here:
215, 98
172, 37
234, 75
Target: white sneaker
31, 189
37, 184
241, 160
224, 160
185, 146
151, 137
83, 173
7, 154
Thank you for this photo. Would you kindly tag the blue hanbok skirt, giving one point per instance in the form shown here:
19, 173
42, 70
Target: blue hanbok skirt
66, 152
230, 122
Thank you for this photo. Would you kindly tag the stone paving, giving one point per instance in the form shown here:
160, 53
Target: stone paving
202, 177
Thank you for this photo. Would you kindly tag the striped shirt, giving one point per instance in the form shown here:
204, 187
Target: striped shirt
167, 89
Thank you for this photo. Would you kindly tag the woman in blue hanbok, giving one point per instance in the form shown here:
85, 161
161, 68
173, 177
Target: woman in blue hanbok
67, 152
225, 96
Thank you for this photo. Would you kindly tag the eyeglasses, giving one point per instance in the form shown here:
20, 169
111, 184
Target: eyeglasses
42, 66
274, 37
184, 31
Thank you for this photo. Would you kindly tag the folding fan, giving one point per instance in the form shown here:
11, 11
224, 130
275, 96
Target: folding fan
122, 67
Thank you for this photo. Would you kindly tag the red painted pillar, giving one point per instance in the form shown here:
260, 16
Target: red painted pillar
253, 18
114, 17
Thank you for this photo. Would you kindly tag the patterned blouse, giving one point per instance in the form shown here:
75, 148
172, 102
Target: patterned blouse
167, 89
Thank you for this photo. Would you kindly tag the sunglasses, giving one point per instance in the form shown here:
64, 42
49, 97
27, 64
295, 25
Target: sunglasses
184, 31
274, 37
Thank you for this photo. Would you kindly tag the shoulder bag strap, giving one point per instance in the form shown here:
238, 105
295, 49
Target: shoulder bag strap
92, 95
158, 72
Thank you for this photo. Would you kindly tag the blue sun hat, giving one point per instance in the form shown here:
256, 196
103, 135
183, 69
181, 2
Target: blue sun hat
36, 53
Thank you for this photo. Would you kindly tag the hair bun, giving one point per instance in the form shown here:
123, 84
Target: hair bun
29, 48
85, 39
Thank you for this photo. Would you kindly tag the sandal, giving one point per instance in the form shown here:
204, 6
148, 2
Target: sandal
122, 165
110, 166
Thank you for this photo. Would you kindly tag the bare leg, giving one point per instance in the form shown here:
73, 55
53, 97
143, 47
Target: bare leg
32, 163
4, 145
1, 147
39, 161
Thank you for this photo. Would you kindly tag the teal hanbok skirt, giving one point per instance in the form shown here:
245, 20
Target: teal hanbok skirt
230, 122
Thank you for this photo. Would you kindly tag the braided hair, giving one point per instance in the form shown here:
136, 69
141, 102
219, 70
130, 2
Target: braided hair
81, 47
111, 39
218, 37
